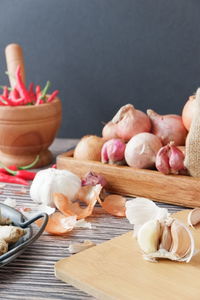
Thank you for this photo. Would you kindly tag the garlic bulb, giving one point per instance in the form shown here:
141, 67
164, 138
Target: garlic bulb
159, 235
50, 181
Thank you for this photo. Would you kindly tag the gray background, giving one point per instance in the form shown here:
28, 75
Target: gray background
102, 54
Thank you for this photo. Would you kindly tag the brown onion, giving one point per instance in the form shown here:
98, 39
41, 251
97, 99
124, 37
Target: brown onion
127, 122
168, 128
141, 150
89, 148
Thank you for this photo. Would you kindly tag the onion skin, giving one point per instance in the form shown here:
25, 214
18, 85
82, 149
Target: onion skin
168, 128
141, 150
89, 148
110, 131
188, 112
127, 122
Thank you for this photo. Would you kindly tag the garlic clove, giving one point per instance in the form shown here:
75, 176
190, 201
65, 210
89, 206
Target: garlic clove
166, 238
194, 217
148, 236
162, 160
176, 159
181, 239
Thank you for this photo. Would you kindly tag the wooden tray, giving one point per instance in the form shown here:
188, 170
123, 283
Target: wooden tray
174, 189
115, 270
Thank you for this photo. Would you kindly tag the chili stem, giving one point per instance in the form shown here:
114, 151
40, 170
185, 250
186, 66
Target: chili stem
45, 89
31, 164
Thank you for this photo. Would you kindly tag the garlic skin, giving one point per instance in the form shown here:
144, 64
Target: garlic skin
142, 210
50, 181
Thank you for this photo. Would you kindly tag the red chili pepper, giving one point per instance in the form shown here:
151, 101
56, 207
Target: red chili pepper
31, 92
14, 95
52, 96
13, 168
18, 173
24, 174
6, 100
5, 92
20, 86
12, 179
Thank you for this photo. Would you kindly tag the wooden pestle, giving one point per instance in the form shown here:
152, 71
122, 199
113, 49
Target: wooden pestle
14, 58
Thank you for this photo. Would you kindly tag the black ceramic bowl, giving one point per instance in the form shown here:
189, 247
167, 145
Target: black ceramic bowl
18, 219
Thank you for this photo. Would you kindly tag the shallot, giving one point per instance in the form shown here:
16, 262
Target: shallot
112, 151
170, 160
89, 148
168, 128
188, 112
127, 122
141, 150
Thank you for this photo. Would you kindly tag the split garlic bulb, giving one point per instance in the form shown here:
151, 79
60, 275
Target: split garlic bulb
50, 181
159, 235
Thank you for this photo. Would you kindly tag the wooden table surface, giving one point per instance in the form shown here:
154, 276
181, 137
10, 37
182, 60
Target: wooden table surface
31, 275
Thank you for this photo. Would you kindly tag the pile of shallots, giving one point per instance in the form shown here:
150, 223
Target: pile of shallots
139, 140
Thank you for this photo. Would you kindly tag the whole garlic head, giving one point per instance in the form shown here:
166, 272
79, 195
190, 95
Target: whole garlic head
50, 181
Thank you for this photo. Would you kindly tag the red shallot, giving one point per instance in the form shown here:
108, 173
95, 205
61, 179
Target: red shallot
112, 151
141, 150
168, 128
127, 122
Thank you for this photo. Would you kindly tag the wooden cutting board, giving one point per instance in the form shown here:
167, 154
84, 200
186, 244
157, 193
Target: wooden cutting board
116, 270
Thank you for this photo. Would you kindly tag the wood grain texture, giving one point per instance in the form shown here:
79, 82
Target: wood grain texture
31, 276
174, 189
26, 131
117, 270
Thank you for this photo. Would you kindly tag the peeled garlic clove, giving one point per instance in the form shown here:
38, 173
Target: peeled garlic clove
181, 239
194, 217
148, 236
166, 239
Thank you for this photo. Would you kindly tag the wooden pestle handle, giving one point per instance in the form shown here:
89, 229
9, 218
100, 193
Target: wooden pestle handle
14, 58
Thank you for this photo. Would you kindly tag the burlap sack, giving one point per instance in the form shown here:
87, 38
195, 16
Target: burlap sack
192, 151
